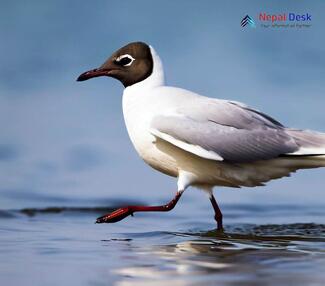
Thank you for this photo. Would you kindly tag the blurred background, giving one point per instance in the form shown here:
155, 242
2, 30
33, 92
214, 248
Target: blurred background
64, 142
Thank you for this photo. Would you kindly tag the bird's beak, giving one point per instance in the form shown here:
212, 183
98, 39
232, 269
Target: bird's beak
94, 73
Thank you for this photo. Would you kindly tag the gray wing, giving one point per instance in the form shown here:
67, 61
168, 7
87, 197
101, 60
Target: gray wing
224, 130
228, 113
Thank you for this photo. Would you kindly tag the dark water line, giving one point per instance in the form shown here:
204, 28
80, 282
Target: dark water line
53, 210
249, 209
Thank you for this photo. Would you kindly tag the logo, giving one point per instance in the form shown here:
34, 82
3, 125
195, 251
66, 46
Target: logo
285, 20
285, 17
247, 21
280, 20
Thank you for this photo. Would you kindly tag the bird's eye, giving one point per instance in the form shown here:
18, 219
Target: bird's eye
125, 60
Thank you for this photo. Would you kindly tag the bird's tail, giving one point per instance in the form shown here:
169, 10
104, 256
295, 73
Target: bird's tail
310, 142
311, 154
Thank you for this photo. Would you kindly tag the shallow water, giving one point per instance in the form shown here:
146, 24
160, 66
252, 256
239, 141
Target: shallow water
58, 246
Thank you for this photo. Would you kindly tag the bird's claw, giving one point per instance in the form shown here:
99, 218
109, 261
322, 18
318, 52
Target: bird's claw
115, 216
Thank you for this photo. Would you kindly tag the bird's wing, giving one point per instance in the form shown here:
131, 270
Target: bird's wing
224, 131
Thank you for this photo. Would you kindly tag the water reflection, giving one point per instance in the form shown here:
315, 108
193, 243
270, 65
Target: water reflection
244, 255
154, 250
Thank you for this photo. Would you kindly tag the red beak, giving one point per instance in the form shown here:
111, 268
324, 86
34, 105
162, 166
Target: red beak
93, 73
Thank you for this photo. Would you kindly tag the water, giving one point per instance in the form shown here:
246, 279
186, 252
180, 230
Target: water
281, 245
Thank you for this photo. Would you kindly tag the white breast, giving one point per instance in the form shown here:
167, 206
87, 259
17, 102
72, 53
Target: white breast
139, 107
137, 120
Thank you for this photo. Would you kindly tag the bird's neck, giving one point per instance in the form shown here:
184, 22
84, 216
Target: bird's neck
156, 78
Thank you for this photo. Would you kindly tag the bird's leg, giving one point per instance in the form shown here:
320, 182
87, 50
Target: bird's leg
217, 212
122, 213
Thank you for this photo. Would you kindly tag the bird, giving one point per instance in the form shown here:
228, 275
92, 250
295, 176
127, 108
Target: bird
204, 142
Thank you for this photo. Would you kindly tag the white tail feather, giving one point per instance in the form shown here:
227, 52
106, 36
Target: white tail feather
310, 142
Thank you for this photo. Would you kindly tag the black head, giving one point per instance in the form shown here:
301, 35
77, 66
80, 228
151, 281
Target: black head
130, 64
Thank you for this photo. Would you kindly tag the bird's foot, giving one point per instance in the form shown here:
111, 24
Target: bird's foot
115, 216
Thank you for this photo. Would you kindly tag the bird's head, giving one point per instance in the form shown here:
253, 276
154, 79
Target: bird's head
130, 64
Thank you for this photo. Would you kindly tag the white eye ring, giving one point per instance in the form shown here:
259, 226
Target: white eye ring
126, 56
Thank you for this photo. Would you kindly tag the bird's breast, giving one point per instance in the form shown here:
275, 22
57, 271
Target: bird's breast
138, 111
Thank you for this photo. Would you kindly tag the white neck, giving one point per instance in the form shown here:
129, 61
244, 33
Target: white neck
156, 78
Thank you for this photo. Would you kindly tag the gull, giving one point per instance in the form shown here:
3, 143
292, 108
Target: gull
203, 142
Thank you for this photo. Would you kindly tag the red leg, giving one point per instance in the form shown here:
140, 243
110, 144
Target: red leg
122, 213
217, 212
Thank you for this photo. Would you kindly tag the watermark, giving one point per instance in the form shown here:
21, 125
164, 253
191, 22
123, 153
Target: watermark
279, 21
247, 21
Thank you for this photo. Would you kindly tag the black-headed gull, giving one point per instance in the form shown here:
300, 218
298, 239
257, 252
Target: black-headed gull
204, 142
